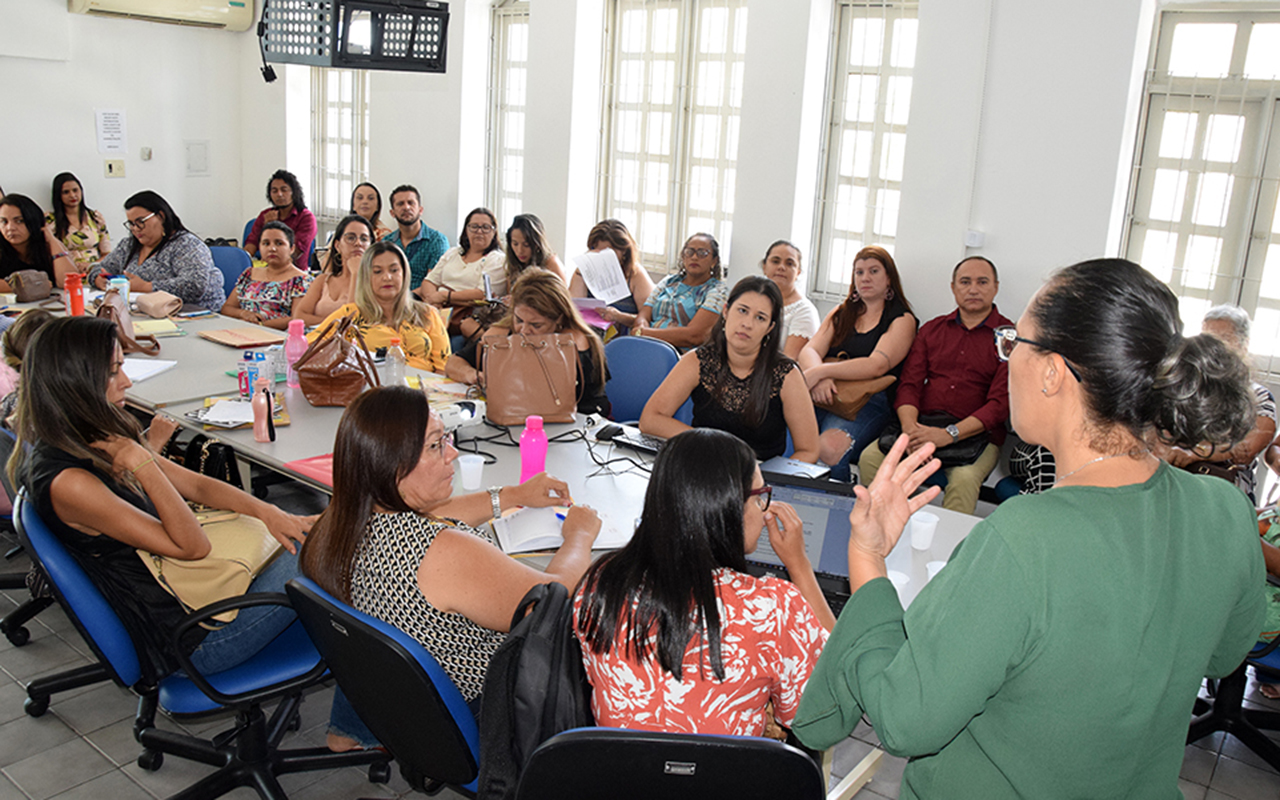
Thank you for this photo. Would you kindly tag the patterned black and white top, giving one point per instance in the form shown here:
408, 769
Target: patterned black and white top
384, 584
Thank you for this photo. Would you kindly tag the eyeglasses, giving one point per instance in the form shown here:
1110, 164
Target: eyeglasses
136, 224
766, 492
436, 449
480, 228
355, 238
701, 252
1007, 338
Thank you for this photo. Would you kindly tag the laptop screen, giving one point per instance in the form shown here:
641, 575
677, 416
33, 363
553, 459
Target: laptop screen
825, 514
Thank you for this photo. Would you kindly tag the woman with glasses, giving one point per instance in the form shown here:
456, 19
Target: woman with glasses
384, 309
1060, 650
740, 381
81, 230
162, 255
335, 287
395, 544
675, 635
27, 243
458, 279
683, 308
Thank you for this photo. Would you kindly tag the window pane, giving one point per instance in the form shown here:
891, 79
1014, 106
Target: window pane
866, 42
513, 173
714, 30
1191, 310
1168, 192
903, 54
1262, 62
860, 98
1159, 248
892, 148
516, 77
706, 136
710, 83
513, 122
630, 88
1200, 263
1265, 336
518, 41
655, 182
1271, 273
1212, 199
628, 133
851, 208
730, 186
659, 141
1179, 134
666, 21
855, 153
886, 219
898, 104
1222, 137
653, 232
626, 180
662, 83
702, 188
1202, 49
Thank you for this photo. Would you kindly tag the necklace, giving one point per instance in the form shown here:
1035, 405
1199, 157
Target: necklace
1095, 461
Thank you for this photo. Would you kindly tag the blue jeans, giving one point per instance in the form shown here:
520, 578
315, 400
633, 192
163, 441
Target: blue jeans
254, 628
344, 721
863, 429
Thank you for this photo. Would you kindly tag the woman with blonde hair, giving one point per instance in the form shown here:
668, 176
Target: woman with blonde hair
384, 310
540, 304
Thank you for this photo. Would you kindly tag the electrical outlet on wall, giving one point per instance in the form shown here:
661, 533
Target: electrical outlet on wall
114, 168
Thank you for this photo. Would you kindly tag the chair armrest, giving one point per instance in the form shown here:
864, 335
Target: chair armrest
1255, 653
206, 613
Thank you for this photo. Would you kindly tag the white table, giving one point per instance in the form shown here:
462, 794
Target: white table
952, 528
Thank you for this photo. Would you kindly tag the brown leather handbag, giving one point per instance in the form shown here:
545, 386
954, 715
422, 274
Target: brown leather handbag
335, 370
850, 396
526, 375
116, 309
30, 285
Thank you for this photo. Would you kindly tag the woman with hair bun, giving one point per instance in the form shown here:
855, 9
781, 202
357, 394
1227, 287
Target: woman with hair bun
1060, 650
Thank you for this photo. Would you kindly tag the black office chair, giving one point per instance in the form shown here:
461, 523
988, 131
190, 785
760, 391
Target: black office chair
248, 754
1226, 711
397, 688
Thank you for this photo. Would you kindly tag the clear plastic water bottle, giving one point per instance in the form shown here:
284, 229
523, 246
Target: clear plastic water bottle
294, 347
533, 448
246, 373
393, 366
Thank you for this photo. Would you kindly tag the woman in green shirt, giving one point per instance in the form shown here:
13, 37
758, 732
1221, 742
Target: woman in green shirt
1059, 652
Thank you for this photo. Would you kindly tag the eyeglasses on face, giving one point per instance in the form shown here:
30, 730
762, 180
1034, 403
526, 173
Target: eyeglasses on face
1007, 339
480, 228
436, 449
766, 492
356, 238
136, 224
700, 252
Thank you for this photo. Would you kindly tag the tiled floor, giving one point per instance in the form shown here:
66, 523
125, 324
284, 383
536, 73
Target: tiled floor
84, 747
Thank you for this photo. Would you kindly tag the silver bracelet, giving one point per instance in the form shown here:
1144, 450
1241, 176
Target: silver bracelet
495, 496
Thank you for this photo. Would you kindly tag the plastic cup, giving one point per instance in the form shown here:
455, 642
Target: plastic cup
899, 579
923, 524
934, 567
471, 467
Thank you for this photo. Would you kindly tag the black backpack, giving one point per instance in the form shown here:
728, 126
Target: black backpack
534, 689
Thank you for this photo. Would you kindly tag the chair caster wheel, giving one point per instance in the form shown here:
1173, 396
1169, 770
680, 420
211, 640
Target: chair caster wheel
150, 760
295, 723
18, 636
380, 772
36, 706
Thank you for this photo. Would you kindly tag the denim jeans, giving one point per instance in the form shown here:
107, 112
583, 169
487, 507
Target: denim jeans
863, 429
253, 628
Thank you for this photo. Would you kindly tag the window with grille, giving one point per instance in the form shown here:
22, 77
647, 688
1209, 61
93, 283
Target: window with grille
340, 139
671, 133
875, 52
1202, 210
507, 109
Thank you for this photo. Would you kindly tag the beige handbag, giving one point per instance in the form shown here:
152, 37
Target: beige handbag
116, 309
241, 547
526, 375
158, 305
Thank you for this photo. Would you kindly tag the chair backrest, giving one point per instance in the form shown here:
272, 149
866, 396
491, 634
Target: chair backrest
89, 611
231, 262
400, 692
248, 229
637, 366
615, 763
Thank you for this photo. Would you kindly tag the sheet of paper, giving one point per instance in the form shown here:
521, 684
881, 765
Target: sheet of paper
155, 326
230, 411
603, 275
139, 369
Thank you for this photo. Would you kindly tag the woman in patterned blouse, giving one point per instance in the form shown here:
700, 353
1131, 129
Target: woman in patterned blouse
394, 543
266, 292
81, 230
676, 636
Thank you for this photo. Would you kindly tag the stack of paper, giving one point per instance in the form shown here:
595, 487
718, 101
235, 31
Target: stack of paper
139, 369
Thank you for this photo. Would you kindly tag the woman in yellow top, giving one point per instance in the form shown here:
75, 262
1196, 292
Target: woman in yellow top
383, 309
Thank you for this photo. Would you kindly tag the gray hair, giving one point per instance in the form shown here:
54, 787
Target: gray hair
1237, 316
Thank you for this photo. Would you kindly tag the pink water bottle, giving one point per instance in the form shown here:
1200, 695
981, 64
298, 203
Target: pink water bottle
294, 347
262, 427
533, 448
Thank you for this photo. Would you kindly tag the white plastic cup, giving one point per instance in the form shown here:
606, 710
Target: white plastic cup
471, 467
899, 579
923, 524
934, 567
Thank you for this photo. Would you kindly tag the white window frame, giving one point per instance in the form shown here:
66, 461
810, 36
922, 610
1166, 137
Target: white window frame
857, 153
335, 171
508, 98
700, 163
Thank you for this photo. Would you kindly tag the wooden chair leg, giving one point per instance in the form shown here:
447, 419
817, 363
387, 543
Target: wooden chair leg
857, 778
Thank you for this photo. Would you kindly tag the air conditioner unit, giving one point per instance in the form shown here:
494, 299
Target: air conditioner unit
231, 15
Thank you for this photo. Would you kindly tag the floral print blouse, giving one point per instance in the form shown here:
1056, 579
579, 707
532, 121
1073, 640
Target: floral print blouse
270, 299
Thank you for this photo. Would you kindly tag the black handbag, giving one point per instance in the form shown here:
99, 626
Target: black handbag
961, 454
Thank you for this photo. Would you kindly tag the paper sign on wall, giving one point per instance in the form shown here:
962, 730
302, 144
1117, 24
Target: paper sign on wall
111, 131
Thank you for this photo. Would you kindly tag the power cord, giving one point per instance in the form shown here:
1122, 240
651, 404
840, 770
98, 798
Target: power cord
268, 74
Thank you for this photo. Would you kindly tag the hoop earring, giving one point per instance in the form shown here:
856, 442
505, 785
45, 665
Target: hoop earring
888, 296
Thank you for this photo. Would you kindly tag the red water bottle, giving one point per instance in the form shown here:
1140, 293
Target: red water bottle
74, 289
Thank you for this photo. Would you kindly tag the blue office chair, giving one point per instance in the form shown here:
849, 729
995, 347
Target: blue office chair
400, 692
637, 366
591, 763
1227, 712
247, 755
248, 229
231, 262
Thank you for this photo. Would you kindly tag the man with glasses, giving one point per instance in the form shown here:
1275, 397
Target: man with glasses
423, 245
954, 386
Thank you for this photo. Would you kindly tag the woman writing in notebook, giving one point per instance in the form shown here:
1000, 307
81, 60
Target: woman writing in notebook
675, 635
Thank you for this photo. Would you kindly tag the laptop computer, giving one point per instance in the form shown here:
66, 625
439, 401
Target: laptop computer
824, 508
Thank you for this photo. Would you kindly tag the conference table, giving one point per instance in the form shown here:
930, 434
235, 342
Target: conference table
615, 490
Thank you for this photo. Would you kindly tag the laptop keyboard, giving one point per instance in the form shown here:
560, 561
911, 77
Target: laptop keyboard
639, 441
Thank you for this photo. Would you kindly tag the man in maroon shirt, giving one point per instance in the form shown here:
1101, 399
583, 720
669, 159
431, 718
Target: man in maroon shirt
953, 369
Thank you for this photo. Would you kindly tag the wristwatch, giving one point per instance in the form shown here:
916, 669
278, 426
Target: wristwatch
955, 433
495, 493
